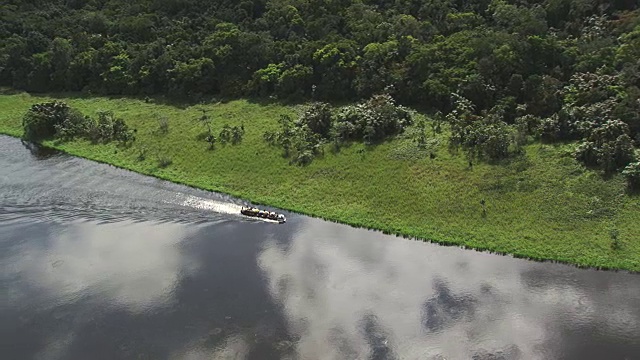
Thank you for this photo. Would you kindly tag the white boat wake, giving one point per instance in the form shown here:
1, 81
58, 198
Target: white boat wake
220, 207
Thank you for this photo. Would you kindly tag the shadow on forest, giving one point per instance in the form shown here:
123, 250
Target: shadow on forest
182, 102
155, 99
9, 91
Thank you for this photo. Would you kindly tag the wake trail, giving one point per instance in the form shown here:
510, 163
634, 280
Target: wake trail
220, 207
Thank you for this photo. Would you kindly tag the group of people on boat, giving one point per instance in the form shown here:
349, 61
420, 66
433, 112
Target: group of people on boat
251, 211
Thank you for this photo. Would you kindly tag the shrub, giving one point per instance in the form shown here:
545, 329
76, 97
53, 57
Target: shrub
560, 126
317, 117
608, 146
107, 127
142, 154
74, 125
372, 121
40, 122
164, 161
632, 174
225, 134
163, 125
348, 124
58, 120
383, 118
495, 140
237, 133
615, 239
529, 125
231, 134
483, 136
298, 142
211, 139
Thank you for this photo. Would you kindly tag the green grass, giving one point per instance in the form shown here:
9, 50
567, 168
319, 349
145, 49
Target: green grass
542, 205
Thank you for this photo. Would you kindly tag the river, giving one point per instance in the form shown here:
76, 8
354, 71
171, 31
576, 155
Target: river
102, 263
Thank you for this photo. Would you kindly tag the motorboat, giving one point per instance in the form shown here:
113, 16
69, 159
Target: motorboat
264, 214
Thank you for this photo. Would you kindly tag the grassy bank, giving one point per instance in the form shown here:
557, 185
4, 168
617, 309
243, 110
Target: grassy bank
542, 205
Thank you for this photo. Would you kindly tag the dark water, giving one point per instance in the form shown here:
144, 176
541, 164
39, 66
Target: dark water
100, 263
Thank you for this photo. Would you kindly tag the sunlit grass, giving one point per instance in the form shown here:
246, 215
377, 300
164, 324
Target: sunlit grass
542, 205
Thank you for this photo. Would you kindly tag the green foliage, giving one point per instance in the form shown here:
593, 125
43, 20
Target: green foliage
372, 121
521, 19
297, 140
527, 126
608, 147
107, 127
232, 134
317, 117
375, 120
74, 125
537, 204
163, 124
57, 120
615, 239
191, 77
225, 134
484, 49
40, 122
382, 118
480, 136
207, 122
164, 161
632, 174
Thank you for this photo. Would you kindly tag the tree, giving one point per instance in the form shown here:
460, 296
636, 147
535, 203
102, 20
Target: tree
295, 82
206, 120
378, 68
334, 69
608, 147
39, 123
632, 174
480, 136
61, 56
266, 79
192, 77
521, 19
117, 79
39, 78
317, 117
283, 19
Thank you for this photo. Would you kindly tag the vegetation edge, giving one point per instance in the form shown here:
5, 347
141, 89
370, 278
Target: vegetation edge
300, 211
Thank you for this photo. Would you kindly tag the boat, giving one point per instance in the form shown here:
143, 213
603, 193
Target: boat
264, 214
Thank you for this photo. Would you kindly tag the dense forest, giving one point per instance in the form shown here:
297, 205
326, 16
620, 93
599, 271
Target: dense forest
502, 70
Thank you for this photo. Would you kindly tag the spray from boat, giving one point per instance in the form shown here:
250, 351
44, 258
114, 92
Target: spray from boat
229, 208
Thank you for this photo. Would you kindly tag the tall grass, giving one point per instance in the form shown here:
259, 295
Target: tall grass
542, 205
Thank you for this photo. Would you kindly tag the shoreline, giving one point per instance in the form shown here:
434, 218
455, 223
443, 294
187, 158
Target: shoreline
461, 247
344, 214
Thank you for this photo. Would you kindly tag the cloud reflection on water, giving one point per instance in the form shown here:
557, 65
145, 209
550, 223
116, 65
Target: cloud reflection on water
128, 265
373, 296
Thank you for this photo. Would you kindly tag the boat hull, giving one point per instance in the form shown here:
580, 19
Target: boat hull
280, 218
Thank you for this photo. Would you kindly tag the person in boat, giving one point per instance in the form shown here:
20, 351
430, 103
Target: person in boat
249, 211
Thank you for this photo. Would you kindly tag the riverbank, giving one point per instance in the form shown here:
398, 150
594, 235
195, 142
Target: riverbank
542, 205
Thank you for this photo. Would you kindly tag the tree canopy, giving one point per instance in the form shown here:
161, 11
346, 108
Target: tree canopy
575, 64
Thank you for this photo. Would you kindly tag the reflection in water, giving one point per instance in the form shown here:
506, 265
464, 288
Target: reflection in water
99, 263
421, 301
85, 260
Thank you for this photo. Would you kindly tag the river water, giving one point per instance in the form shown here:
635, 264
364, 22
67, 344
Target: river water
101, 263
